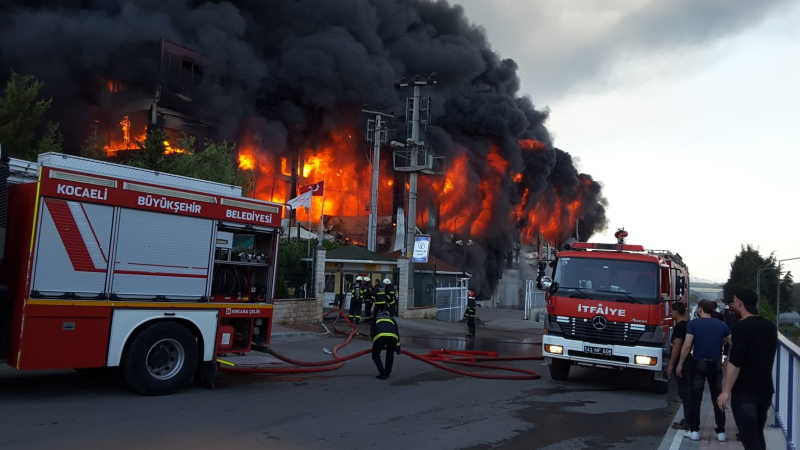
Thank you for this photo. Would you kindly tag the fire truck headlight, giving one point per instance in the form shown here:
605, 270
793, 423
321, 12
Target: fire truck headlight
557, 349
256, 331
645, 360
259, 322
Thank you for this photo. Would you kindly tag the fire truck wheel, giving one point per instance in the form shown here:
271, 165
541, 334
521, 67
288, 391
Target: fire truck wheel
160, 359
559, 369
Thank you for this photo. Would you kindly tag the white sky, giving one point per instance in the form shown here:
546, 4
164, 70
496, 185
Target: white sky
695, 139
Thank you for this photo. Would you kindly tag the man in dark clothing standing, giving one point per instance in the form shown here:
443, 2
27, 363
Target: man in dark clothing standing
681, 318
730, 320
391, 297
469, 313
748, 377
385, 335
730, 315
706, 335
356, 296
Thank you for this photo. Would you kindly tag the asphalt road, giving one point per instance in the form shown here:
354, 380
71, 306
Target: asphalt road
419, 408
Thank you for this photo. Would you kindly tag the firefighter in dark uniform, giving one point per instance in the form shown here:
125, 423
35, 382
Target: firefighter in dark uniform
385, 335
469, 313
391, 297
381, 300
355, 301
369, 300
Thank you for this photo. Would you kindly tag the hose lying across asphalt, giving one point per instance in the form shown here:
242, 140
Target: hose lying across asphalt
436, 358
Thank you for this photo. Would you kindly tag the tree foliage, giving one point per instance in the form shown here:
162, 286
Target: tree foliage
743, 275
94, 147
215, 162
787, 292
22, 127
151, 151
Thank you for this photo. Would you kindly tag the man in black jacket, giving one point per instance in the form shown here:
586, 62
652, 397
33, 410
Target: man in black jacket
385, 335
748, 377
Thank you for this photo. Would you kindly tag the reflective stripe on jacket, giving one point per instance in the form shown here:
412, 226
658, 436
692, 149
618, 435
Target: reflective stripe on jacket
385, 328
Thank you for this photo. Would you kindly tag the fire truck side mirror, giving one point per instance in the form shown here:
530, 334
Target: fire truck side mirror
541, 266
680, 285
546, 282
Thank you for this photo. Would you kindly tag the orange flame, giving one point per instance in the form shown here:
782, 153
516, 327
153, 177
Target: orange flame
246, 162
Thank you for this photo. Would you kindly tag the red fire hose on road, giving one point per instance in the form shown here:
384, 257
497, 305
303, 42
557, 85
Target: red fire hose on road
436, 358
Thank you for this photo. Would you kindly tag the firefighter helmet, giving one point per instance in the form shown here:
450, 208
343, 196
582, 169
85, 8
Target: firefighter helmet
387, 281
358, 278
471, 295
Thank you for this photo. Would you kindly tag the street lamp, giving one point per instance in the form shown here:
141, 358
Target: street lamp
465, 244
778, 305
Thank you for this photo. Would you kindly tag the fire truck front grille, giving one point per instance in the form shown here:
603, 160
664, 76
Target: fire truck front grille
613, 333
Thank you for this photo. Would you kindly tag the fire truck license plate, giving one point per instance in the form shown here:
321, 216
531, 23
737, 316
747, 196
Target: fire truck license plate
597, 350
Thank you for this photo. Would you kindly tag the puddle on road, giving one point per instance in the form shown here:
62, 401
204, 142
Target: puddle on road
521, 347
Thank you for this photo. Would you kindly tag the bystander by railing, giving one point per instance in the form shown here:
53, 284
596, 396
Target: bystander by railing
787, 390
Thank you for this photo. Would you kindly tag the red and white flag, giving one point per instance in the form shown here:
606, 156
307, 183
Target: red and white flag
317, 189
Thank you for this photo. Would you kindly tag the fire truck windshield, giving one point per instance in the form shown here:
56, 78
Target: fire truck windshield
610, 279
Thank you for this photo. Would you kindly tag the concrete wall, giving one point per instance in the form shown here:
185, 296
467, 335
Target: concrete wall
296, 310
402, 287
510, 291
419, 313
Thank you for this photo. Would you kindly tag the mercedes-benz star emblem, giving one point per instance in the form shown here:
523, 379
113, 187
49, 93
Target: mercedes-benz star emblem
599, 322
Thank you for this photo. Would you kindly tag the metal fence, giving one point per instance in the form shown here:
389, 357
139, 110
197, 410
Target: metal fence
787, 387
451, 300
534, 298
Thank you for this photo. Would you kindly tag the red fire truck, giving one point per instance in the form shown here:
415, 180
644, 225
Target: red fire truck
112, 266
608, 306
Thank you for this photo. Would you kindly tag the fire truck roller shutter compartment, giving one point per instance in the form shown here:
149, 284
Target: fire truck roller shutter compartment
73, 249
161, 255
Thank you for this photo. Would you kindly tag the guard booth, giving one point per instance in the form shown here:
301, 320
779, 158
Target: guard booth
344, 264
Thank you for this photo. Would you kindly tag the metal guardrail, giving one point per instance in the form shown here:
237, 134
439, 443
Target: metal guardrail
786, 403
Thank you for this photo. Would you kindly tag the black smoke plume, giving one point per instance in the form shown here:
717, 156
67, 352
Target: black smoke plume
296, 70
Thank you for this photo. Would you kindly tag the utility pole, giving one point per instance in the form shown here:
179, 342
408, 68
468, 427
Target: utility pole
376, 133
416, 147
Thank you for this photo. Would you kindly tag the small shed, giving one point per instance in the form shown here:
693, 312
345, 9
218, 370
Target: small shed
345, 263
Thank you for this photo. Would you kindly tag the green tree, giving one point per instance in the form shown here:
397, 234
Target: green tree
215, 162
796, 296
21, 119
787, 291
94, 147
151, 152
744, 268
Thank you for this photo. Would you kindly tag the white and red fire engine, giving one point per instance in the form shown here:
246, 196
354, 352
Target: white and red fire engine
608, 306
108, 265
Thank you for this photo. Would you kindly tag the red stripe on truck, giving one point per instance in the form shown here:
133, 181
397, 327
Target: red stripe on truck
71, 236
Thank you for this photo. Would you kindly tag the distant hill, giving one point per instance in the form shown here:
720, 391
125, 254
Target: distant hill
696, 284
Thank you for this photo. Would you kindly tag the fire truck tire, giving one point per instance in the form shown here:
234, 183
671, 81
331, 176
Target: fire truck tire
559, 369
160, 359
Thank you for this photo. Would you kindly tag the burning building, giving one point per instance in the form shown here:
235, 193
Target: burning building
287, 80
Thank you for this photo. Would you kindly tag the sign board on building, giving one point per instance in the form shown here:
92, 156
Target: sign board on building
422, 245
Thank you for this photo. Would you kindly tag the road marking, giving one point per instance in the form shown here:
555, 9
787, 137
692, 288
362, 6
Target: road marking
677, 440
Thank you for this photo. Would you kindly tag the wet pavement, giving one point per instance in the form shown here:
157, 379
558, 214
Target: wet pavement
419, 407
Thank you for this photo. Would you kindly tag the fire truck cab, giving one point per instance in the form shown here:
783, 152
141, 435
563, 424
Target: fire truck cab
608, 306
107, 265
